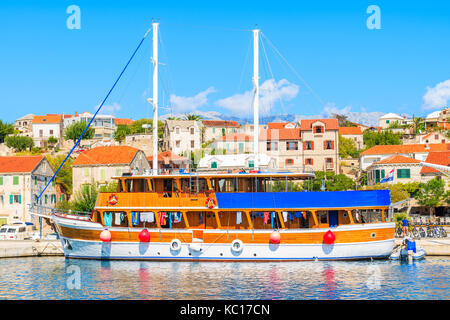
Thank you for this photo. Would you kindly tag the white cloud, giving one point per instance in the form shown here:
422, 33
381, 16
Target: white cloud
437, 97
109, 109
270, 92
189, 104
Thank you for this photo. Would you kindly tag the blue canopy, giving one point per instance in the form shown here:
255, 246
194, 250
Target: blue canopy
300, 200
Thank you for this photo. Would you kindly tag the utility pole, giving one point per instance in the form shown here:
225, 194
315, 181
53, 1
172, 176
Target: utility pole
256, 99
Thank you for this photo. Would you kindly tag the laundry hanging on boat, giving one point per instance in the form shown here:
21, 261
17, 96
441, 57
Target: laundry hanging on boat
266, 217
200, 218
134, 218
107, 217
170, 219
304, 215
177, 217
118, 218
162, 218
147, 217
285, 214
238, 217
298, 214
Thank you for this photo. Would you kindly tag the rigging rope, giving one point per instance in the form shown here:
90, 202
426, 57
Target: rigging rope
101, 105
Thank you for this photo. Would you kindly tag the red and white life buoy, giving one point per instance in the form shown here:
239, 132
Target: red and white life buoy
210, 203
112, 199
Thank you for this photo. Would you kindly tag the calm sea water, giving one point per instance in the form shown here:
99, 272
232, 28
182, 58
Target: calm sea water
60, 278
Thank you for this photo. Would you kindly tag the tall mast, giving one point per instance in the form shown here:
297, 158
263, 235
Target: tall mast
256, 100
155, 97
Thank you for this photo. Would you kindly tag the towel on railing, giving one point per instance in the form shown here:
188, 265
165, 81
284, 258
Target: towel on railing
238, 217
134, 218
285, 214
147, 217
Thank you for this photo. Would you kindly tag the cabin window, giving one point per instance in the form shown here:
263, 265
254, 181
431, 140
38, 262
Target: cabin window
194, 185
323, 217
136, 185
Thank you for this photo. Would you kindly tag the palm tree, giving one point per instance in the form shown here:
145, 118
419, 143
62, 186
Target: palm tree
191, 116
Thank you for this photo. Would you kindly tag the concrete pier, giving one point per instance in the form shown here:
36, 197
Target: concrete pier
30, 248
432, 246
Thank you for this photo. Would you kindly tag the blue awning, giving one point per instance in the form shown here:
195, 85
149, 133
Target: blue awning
300, 200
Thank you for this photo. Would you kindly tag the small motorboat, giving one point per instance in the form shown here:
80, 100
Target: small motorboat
411, 248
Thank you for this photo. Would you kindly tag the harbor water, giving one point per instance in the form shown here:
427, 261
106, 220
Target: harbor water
61, 278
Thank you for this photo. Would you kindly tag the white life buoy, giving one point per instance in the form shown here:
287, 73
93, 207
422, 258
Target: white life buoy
175, 245
237, 245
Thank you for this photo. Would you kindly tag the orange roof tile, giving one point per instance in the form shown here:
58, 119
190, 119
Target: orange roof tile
276, 125
280, 134
19, 164
442, 158
236, 137
49, 118
106, 155
220, 123
407, 148
350, 130
168, 155
126, 122
330, 124
397, 159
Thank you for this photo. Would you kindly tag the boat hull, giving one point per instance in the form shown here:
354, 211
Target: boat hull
80, 240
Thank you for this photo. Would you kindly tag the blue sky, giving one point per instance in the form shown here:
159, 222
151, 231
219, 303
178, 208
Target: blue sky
47, 68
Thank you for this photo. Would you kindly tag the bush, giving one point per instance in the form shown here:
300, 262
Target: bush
19, 143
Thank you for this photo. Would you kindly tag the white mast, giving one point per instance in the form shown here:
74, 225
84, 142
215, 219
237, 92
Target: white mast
155, 97
256, 100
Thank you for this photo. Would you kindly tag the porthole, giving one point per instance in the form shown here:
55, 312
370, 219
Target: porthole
345, 215
254, 254
373, 235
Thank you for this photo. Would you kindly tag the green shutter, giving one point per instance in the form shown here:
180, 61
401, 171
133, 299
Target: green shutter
377, 176
214, 165
382, 175
15, 180
46, 199
35, 180
251, 164
1, 181
20, 198
403, 173
11, 199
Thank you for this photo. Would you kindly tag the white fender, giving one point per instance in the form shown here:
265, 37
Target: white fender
175, 245
195, 247
237, 245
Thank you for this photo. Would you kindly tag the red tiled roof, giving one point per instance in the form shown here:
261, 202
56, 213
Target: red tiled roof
280, 134
220, 123
397, 159
276, 125
126, 122
19, 164
407, 148
350, 130
442, 158
168, 155
236, 137
106, 155
49, 118
330, 124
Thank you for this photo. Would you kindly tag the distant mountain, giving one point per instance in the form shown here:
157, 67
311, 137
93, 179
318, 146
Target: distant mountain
366, 118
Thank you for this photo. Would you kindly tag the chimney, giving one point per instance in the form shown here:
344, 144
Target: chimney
76, 113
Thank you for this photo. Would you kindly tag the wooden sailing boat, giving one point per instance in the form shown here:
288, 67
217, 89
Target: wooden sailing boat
226, 216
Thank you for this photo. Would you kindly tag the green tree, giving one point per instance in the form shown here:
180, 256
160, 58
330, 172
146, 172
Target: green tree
5, 129
121, 132
110, 187
343, 120
74, 131
347, 148
191, 116
84, 199
64, 176
137, 127
431, 194
386, 137
333, 182
19, 143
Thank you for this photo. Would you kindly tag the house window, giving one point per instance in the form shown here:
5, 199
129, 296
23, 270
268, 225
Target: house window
308, 161
251, 164
214, 165
192, 130
15, 180
308, 145
41, 133
177, 130
15, 198
289, 162
1, 200
436, 136
192, 144
177, 143
272, 146
387, 121
379, 175
291, 145
223, 131
329, 160
51, 132
213, 130
241, 147
1, 181
35, 180
318, 129
329, 145
403, 173
86, 172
